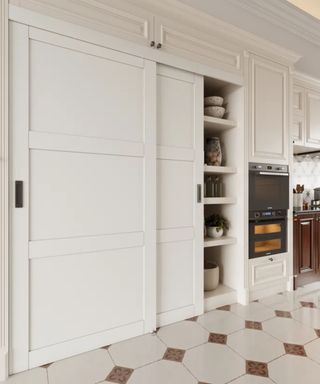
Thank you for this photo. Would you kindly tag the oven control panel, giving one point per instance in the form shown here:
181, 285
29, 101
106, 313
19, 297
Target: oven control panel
267, 215
268, 167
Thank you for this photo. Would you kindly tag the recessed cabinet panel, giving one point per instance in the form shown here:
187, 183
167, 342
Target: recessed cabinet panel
77, 295
85, 92
175, 122
192, 44
313, 118
269, 110
175, 194
298, 100
68, 192
174, 275
297, 130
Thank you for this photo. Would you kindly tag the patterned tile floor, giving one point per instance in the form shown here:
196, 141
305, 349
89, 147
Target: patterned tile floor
274, 340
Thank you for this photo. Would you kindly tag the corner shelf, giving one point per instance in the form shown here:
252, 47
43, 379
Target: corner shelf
219, 200
222, 295
224, 240
214, 124
222, 170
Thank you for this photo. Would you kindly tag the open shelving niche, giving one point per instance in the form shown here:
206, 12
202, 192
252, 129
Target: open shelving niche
227, 251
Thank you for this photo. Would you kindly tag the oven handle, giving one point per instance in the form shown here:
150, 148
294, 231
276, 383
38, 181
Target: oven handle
273, 174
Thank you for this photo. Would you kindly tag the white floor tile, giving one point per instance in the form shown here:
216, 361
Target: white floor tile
291, 369
255, 345
289, 330
214, 363
87, 368
223, 322
162, 372
183, 335
253, 311
34, 376
313, 350
250, 379
139, 351
308, 316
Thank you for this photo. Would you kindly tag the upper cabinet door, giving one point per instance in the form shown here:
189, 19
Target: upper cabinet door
192, 44
313, 119
268, 102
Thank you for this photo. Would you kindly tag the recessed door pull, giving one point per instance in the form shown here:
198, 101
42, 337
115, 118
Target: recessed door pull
19, 194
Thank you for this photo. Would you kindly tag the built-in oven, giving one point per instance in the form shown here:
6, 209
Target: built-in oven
268, 205
268, 187
267, 233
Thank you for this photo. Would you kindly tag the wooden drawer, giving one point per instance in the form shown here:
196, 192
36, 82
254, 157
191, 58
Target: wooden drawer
267, 270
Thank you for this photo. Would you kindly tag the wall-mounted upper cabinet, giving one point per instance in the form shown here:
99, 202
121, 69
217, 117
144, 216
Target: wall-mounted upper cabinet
305, 128
268, 110
181, 40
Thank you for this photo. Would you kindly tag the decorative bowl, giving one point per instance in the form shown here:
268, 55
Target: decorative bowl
214, 111
213, 100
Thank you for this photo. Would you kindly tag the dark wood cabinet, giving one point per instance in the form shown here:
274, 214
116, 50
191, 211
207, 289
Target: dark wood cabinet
306, 248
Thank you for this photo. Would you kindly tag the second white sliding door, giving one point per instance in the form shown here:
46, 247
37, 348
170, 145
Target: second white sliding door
179, 213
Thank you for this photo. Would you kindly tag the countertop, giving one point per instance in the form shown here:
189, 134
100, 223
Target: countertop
306, 211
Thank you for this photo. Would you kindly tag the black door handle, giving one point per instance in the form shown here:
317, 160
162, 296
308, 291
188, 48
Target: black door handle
19, 194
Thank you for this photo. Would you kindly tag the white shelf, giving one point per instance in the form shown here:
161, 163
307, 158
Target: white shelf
219, 200
219, 170
223, 295
214, 124
224, 240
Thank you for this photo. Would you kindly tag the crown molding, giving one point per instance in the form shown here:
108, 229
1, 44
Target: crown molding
4, 222
284, 15
304, 80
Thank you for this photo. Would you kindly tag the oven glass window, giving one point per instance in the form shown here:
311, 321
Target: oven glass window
264, 229
267, 245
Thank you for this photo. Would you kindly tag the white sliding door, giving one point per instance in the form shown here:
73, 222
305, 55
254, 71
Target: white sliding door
179, 215
83, 243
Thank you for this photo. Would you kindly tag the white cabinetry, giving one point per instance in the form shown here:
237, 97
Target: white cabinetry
179, 215
313, 118
305, 130
267, 275
268, 106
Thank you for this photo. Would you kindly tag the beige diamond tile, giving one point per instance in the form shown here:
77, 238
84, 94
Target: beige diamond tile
253, 311
313, 350
221, 322
90, 367
136, 352
308, 316
162, 372
214, 363
34, 376
255, 345
289, 330
183, 335
290, 369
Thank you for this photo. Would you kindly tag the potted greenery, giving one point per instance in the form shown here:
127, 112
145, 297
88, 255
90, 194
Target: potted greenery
216, 224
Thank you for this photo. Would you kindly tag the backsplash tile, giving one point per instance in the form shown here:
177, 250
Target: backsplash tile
306, 170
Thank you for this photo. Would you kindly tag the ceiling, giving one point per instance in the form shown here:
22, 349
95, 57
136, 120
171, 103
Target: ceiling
278, 21
310, 6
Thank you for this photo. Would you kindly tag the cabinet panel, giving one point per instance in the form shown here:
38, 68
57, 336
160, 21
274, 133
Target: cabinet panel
267, 270
298, 130
179, 216
192, 44
298, 100
269, 111
313, 119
